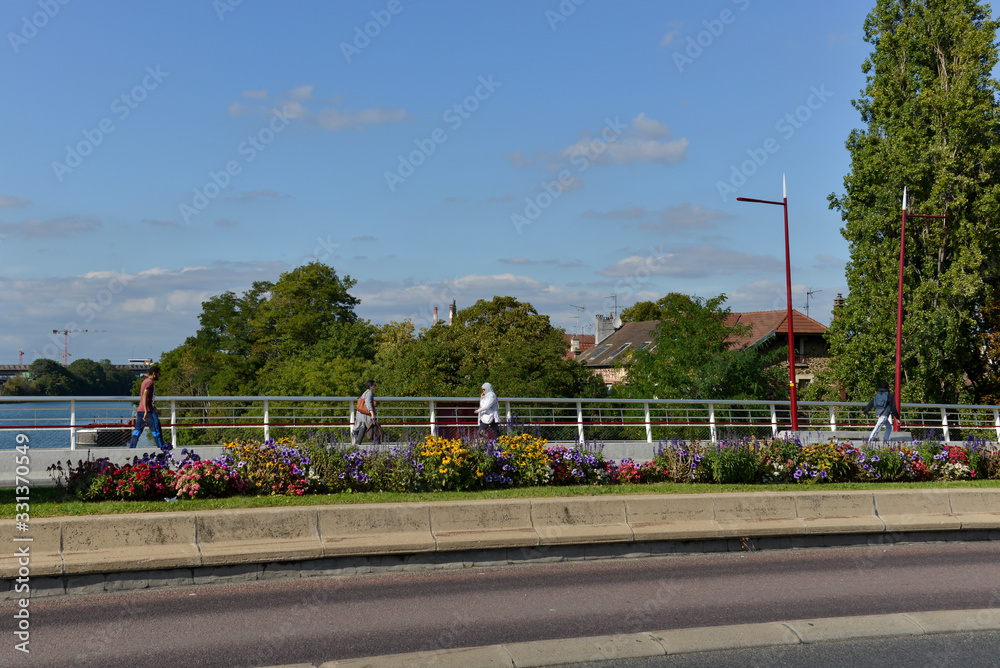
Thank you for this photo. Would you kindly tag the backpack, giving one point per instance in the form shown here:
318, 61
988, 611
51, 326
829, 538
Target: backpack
881, 400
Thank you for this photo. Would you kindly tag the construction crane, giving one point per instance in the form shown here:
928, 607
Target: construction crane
66, 333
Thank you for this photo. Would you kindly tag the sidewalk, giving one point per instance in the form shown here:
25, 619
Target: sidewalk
684, 641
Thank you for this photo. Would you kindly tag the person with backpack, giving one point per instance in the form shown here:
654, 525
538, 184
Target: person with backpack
365, 416
884, 404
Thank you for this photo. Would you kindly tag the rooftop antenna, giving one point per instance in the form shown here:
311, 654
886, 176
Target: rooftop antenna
809, 293
579, 316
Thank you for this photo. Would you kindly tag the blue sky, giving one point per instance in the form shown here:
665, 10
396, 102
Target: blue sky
157, 154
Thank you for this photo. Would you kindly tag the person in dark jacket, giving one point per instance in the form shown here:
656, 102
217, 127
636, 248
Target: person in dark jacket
884, 404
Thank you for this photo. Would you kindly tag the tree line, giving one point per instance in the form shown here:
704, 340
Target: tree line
82, 377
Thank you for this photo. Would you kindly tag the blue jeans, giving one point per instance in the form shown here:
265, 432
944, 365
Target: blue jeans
141, 422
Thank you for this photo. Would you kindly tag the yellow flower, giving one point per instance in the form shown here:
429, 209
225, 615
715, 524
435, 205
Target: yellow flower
446, 460
442, 470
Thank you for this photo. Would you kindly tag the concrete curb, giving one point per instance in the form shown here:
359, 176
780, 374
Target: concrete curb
73, 546
684, 641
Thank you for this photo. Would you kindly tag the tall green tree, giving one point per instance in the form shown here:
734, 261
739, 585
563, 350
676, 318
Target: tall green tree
693, 357
502, 341
930, 110
297, 336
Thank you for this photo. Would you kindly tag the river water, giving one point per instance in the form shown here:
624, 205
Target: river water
29, 418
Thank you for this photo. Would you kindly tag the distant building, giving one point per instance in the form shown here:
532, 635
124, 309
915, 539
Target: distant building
769, 329
577, 344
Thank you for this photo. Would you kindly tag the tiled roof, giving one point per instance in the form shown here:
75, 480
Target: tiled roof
586, 343
764, 323
631, 336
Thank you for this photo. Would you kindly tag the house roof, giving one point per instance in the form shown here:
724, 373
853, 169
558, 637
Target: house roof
765, 324
630, 336
586, 343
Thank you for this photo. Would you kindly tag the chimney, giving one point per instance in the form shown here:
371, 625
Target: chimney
574, 345
838, 303
435, 315
603, 328
451, 313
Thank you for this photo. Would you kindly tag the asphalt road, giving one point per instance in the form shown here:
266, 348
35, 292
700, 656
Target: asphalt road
319, 619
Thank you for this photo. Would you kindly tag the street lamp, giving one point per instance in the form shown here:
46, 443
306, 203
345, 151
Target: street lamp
788, 282
899, 303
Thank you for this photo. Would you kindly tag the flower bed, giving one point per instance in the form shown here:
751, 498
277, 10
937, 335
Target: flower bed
284, 467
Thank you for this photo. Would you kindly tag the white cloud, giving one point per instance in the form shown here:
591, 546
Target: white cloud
146, 305
146, 312
298, 103
238, 109
9, 201
669, 37
303, 93
643, 140
56, 227
335, 119
692, 262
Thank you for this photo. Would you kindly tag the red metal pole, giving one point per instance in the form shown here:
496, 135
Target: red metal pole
791, 341
899, 310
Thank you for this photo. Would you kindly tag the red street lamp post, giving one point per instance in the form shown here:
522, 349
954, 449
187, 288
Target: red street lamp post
899, 303
788, 283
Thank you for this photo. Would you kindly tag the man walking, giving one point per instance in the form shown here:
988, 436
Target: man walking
884, 404
146, 414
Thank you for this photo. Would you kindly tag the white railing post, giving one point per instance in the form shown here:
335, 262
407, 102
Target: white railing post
944, 424
774, 421
433, 411
649, 424
72, 424
579, 421
996, 421
712, 434
833, 419
267, 420
173, 423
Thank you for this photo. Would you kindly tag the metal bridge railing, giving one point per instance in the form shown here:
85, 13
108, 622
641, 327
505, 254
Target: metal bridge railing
406, 418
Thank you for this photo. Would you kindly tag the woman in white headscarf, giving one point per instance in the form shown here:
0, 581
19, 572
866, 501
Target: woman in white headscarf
489, 412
